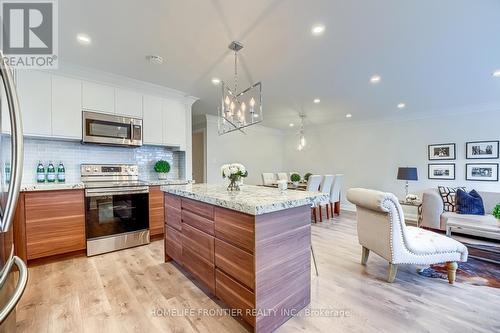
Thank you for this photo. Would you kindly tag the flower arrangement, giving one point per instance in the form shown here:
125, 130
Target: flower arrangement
496, 211
307, 175
234, 172
162, 167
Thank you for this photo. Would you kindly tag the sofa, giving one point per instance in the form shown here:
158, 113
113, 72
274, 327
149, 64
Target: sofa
433, 215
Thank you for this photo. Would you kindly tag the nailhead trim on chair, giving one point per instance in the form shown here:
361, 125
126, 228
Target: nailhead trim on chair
390, 211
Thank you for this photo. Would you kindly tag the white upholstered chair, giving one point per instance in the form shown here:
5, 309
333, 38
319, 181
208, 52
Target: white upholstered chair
313, 185
335, 194
325, 187
282, 176
268, 178
382, 229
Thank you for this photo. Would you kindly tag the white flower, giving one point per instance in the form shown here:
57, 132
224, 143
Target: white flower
228, 170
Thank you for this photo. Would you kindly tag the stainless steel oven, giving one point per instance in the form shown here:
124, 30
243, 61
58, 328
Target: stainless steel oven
116, 208
111, 129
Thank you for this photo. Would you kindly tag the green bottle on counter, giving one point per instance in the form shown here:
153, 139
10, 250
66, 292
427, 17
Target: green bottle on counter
40, 173
61, 173
51, 173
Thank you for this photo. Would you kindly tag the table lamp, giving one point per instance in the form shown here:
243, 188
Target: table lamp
407, 173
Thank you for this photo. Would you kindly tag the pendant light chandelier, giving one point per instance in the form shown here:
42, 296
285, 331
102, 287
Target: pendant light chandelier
302, 138
238, 110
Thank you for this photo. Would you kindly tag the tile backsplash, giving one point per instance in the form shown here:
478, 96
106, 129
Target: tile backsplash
72, 154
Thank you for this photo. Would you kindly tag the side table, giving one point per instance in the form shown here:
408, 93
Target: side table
417, 204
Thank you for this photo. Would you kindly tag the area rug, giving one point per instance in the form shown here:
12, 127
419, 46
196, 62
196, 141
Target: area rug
474, 271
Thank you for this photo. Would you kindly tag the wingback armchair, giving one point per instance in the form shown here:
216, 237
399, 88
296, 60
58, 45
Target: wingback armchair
382, 229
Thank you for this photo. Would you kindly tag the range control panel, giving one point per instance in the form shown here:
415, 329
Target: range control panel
109, 170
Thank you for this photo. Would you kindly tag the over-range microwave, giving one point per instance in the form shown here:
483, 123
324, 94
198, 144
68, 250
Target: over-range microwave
111, 129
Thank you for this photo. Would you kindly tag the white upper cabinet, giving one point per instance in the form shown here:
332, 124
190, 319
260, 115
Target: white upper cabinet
34, 90
66, 107
174, 118
128, 103
98, 97
152, 120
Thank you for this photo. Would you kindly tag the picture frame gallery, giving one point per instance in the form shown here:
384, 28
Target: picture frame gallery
474, 150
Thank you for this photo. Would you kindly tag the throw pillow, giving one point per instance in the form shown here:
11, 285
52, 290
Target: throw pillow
469, 203
448, 196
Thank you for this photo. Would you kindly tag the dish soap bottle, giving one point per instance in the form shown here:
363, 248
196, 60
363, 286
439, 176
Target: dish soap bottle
40, 173
61, 173
51, 173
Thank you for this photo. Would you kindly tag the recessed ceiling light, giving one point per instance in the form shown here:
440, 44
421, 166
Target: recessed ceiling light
496, 73
375, 79
401, 105
318, 29
348, 115
291, 124
215, 80
83, 39
316, 100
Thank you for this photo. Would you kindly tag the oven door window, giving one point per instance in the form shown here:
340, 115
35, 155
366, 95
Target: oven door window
115, 214
108, 129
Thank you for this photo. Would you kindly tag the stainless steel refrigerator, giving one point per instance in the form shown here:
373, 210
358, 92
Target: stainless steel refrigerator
12, 282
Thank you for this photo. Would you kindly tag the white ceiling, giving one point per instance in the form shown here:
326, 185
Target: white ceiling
434, 56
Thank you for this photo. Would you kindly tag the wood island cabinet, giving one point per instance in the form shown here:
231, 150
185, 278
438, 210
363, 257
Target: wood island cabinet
249, 262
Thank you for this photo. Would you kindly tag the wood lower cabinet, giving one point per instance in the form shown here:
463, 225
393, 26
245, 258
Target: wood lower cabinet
54, 222
156, 211
255, 264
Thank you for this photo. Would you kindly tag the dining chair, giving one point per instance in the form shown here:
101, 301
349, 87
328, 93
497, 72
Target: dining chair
335, 194
313, 186
268, 178
325, 188
282, 176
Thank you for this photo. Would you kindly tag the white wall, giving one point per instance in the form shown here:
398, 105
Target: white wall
370, 154
260, 150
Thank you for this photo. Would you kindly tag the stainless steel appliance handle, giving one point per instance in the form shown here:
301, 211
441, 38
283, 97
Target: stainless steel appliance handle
115, 191
17, 146
21, 285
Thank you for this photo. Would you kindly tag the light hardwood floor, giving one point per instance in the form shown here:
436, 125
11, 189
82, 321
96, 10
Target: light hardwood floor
117, 292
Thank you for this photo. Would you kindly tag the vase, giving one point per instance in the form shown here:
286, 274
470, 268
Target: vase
162, 175
234, 184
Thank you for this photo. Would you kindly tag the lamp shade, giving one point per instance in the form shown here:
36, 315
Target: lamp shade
407, 173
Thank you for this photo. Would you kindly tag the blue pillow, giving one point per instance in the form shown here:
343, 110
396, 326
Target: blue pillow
469, 203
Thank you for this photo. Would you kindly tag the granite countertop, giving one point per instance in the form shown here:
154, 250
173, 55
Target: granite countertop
253, 200
75, 185
156, 182
30, 187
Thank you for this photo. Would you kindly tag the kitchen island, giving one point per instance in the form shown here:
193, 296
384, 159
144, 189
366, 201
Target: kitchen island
251, 248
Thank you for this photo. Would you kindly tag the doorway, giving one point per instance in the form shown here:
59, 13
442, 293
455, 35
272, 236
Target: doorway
199, 156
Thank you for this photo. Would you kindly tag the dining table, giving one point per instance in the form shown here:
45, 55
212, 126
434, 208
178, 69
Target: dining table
291, 186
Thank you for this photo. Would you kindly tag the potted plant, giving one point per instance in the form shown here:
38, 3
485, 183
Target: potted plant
496, 211
234, 172
162, 167
307, 175
295, 178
